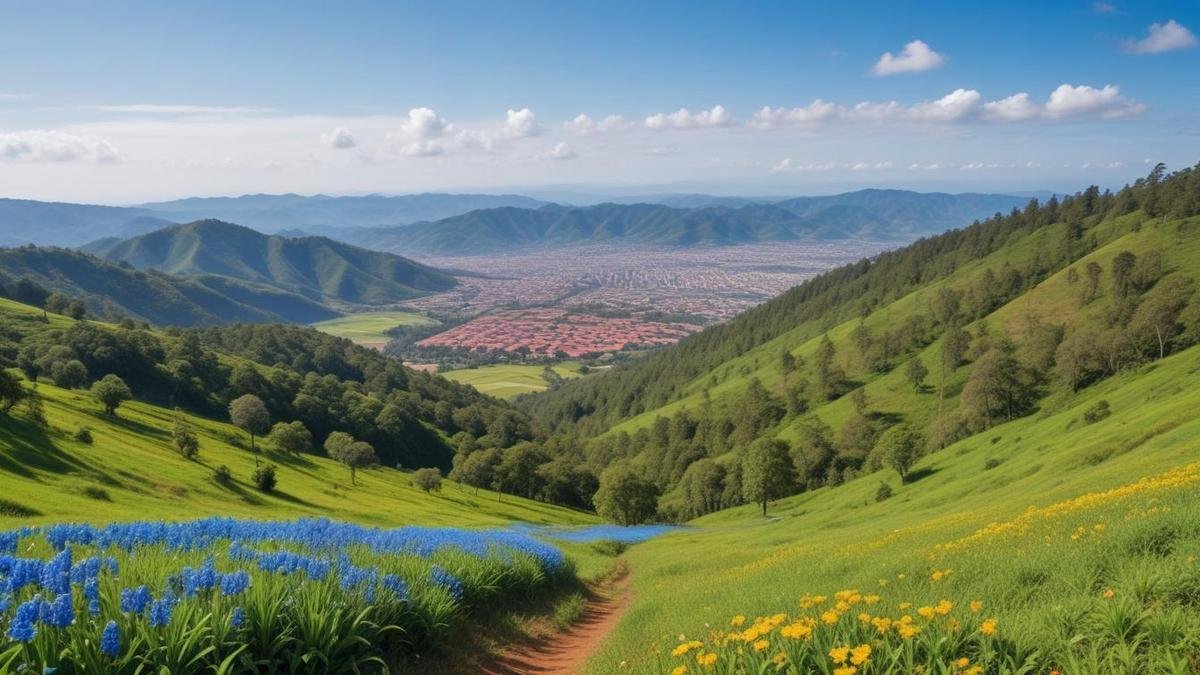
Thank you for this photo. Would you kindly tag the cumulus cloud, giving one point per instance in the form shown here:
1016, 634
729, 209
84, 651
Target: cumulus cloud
562, 151
423, 124
424, 148
1015, 108
916, 57
717, 116
55, 146
584, 125
339, 139
1084, 101
957, 105
521, 123
1163, 37
814, 113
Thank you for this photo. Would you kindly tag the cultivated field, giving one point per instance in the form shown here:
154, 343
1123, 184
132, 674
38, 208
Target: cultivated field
509, 380
369, 329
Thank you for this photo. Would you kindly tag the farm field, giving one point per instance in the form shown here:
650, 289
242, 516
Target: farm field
370, 328
509, 380
1049, 524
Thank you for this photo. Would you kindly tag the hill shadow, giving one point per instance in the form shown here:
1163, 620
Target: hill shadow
26, 448
919, 474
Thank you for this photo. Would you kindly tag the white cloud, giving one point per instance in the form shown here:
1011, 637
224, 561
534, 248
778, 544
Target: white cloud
916, 57
55, 146
1015, 108
584, 125
717, 116
957, 105
339, 139
1084, 101
424, 124
1104, 7
1163, 37
562, 151
521, 123
8, 96
870, 166
161, 109
422, 148
816, 112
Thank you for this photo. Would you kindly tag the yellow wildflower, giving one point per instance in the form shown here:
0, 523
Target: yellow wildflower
962, 662
973, 670
944, 607
976, 605
679, 670
905, 605
864, 617
881, 623
737, 620
1108, 593
779, 659
797, 631
839, 654
860, 654
830, 617
761, 645
926, 612
870, 599
706, 659
845, 670
988, 627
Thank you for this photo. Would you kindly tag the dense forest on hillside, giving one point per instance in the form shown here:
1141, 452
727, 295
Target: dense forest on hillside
1134, 309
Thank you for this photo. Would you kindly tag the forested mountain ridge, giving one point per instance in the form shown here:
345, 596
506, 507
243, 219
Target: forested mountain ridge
25, 221
114, 291
320, 269
877, 215
938, 340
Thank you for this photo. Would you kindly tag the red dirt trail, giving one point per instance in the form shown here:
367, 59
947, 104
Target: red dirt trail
565, 653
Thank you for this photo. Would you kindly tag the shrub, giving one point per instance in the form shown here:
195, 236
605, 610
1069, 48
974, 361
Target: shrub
610, 547
429, 480
97, 493
1097, 412
222, 474
883, 493
187, 444
991, 463
264, 478
83, 435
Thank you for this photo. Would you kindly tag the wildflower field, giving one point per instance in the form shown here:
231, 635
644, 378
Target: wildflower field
226, 595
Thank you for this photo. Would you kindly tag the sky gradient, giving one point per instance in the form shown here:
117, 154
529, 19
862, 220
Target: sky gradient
125, 102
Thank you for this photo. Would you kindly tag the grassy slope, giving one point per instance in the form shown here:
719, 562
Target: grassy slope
132, 461
370, 327
839, 537
507, 381
833, 538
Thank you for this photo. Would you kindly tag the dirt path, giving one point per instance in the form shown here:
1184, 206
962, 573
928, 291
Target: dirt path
565, 653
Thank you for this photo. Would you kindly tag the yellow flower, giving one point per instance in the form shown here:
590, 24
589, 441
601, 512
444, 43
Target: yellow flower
976, 605
905, 605
962, 662
870, 599
761, 645
860, 654
988, 627
706, 659
907, 630
737, 620
973, 670
797, 630
839, 654
845, 670
925, 612
679, 670
830, 617
779, 659
944, 607
686, 647
1108, 593
881, 623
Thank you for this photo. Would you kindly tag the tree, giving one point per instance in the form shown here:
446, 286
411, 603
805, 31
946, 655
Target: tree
354, 454
11, 391
517, 471
291, 437
56, 303
477, 469
1093, 270
625, 495
916, 372
264, 478
248, 413
899, 448
1076, 357
997, 386
111, 391
429, 480
34, 410
1122, 273
184, 437
1156, 320
69, 374
767, 471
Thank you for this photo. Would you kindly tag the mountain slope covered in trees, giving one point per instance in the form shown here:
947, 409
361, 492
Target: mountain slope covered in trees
317, 268
25, 221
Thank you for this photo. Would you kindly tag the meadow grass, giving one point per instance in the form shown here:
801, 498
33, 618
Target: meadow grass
1079, 540
371, 327
509, 380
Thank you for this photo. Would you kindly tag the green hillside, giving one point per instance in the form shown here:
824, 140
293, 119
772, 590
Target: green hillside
110, 290
317, 268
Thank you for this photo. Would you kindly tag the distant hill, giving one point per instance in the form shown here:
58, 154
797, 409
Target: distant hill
316, 268
24, 221
880, 215
111, 291
271, 213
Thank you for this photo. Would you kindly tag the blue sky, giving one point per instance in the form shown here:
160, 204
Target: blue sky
120, 102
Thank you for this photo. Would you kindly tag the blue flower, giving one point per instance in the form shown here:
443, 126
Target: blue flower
235, 583
396, 585
134, 600
23, 627
110, 640
62, 611
447, 581
238, 618
160, 611
91, 592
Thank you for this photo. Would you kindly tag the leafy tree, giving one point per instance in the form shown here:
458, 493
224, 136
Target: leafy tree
1156, 320
264, 478
11, 391
997, 387
916, 372
184, 437
900, 448
69, 374
291, 437
248, 413
111, 391
625, 495
57, 303
1076, 357
429, 479
517, 471
703, 488
34, 409
1122, 273
767, 471
1094, 271
477, 469
354, 454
